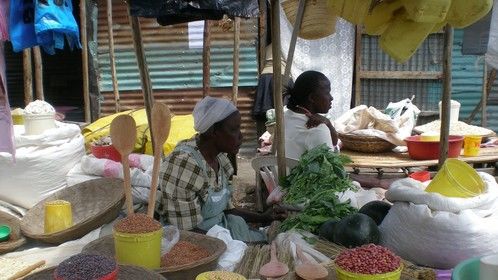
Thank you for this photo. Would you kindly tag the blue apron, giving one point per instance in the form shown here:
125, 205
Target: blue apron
212, 209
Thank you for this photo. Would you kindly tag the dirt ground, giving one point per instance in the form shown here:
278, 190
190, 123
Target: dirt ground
244, 182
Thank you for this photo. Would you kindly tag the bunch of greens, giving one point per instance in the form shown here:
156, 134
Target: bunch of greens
316, 181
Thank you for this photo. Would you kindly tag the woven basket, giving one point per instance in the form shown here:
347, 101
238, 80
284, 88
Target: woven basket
318, 19
216, 247
94, 203
16, 238
125, 272
365, 144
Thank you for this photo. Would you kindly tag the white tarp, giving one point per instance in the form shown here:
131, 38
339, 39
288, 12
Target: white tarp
492, 54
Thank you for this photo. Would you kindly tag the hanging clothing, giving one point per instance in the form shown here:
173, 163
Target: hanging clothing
54, 22
4, 19
6, 128
21, 24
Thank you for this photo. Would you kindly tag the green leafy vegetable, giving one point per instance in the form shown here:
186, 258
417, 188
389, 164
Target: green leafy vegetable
316, 181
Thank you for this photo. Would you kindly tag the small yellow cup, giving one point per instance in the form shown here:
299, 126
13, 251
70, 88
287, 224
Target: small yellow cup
471, 145
58, 216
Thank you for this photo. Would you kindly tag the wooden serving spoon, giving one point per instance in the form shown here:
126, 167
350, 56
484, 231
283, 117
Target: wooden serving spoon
308, 270
123, 135
161, 124
274, 268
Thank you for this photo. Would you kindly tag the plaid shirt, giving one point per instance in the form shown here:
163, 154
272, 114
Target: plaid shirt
184, 188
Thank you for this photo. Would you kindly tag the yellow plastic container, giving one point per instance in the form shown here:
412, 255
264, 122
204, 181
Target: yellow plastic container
456, 179
140, 249
429, 137
58, 216
346, 275
212, 275
471, 145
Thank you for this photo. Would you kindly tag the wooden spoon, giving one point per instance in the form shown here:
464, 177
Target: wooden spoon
161, 124
308, 270
274, 268
123, 135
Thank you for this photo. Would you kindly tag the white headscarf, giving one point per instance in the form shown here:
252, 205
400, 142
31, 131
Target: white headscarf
211, 110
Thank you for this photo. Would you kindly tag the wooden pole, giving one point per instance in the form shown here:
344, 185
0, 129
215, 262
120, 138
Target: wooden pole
28, 76
484, 100
236, 60
292, 46
277, 87
262, 35
357, 66
490, 81
84, 60
144, 71
206, 59
115, 87
38, 73
446, 102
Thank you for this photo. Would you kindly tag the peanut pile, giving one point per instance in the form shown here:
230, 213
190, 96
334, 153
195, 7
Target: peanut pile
368, 259
137, 223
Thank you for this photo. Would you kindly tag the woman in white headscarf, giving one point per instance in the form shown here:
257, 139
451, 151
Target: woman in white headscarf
196, 194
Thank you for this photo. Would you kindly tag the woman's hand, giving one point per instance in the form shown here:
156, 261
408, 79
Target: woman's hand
275, 213
315, 120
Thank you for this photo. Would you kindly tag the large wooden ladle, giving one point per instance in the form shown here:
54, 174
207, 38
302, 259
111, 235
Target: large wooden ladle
161, 124
274, 268
123, 135
308, 270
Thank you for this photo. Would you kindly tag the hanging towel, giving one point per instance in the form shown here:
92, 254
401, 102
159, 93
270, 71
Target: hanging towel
21, 24
7, 135
4, 30
54, 22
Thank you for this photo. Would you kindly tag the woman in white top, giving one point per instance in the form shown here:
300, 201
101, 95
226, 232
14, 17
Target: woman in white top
305, 128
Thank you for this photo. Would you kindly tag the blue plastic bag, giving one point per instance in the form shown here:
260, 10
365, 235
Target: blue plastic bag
54, 22
21, 24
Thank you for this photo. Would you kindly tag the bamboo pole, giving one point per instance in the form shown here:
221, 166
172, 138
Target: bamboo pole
38, 73
484, 99
277, 87
445, 106
236, 60
262, 35
84, 60
144, 71
115, 87
292, 46
206, 59
28, 76
357, 66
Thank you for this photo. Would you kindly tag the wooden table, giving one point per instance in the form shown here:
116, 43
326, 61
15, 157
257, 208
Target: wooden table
402, 160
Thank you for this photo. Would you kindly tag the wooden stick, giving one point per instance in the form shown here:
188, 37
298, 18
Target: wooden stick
292, 46
262, 35
38, 73
84, 61
277, 87
26, 270
144, 71
491, 79
236, 60
357, 66
28, 76
115, 87
445, 106
206, 59
484, 99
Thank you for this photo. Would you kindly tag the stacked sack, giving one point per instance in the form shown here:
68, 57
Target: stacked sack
404, 24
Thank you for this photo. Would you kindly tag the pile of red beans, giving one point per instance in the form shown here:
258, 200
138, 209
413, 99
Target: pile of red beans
368, 259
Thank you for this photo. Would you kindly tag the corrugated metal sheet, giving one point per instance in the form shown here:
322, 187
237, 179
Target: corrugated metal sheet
176, 69
467, 83
379, 92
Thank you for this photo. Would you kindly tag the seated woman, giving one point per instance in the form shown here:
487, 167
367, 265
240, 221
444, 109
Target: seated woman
305, 128
196, 194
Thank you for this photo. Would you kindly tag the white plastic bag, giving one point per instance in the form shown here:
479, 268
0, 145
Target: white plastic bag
171, 235
235, 248
436, 231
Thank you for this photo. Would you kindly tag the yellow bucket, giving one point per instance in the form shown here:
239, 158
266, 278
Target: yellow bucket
140, 249
456, 179
471, 145
58, 216
346, 275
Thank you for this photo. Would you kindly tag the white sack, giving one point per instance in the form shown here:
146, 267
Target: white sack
232, 256
42, 162
436, 231
492, 53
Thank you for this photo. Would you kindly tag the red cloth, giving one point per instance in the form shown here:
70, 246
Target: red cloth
7, 135
4, 30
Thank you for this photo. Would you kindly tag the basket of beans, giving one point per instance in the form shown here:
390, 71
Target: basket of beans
87, 267
368, 262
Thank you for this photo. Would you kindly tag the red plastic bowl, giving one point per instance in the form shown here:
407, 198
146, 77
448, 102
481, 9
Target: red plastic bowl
108, 152
423, 150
